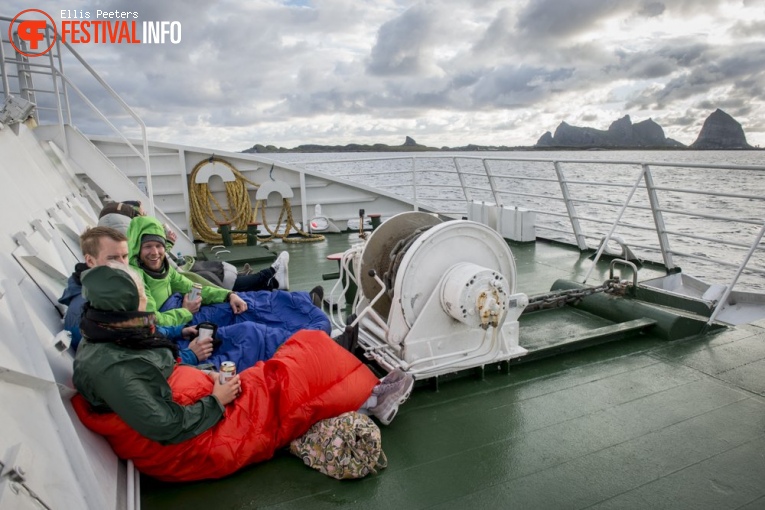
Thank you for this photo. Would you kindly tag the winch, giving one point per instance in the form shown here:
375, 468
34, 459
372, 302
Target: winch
435, 296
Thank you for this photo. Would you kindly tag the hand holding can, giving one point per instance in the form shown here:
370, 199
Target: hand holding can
227, 371
227, 392
170, 235
195, 292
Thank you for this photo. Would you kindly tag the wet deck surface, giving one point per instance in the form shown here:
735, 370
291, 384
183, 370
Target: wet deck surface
642, 423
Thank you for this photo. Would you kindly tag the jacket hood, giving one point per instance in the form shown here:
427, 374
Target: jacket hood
116, 221
139, 226
73, 284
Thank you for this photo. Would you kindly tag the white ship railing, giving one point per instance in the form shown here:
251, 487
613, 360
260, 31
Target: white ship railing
51, 93
587, 190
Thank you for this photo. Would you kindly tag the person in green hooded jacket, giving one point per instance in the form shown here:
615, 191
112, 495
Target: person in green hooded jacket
123, 363
146, 242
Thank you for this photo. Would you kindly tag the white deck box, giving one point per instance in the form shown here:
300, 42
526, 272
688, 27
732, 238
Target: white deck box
517, 224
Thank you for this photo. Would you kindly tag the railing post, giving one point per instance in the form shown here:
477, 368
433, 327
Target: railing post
490, 178
414, 182
59, 106
721, 303
6, 82
465, 192
24, 77
64, 89
658, 218
303, 202
147, 166
581, 242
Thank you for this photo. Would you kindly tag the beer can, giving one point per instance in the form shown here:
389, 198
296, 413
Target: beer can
227, 371
196, 291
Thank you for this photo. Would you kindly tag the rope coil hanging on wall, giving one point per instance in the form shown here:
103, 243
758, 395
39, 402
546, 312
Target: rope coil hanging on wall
239, 211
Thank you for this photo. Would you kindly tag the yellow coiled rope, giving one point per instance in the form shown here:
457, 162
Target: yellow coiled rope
290, 225
239, 211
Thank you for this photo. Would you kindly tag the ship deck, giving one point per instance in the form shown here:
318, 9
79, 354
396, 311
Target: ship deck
636, 423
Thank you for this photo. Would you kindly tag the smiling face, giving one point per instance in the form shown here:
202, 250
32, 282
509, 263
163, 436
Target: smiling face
152, 255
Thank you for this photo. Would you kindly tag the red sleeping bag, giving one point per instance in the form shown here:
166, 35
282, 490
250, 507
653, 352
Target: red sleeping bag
310, 378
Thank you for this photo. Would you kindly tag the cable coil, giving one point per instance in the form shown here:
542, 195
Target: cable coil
239, 212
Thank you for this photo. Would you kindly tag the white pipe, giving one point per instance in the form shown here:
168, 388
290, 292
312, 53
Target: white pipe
373, 328
131, 485
345, 276
368, 309
492, 349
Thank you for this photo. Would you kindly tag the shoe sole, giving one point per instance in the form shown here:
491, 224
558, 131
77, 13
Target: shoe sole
285, 262
389, 419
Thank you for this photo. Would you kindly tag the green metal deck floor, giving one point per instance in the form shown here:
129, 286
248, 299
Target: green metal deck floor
638, 424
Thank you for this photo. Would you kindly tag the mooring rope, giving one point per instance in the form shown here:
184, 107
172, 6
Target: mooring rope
239, 211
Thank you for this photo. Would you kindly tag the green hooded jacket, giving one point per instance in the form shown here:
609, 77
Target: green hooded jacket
159, 289
133, 384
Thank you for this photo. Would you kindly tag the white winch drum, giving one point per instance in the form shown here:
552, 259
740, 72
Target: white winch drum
438, 249
378, 247
475, 295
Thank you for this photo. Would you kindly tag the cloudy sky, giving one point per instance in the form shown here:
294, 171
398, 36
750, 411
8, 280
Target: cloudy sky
445, 72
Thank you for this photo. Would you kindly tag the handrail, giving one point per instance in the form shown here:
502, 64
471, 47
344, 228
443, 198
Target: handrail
63, 105
538, 183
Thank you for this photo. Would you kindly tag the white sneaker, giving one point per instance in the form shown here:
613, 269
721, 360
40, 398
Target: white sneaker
392, 391
282, 271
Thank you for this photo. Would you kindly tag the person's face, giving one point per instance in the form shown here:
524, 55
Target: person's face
108, 250
152, 255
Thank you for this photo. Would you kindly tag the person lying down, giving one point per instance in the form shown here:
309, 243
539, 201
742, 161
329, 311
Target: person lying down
178, 423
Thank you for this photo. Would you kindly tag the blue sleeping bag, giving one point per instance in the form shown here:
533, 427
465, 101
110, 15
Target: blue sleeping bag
254, 335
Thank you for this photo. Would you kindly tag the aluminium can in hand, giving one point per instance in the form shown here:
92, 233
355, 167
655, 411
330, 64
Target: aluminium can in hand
195, 292
227, 371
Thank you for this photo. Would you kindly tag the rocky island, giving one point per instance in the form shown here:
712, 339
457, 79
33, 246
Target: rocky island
621, 134
720, 131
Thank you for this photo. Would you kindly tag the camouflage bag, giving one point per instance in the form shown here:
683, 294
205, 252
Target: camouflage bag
346, 446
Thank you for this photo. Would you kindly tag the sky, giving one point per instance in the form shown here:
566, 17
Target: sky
445, 72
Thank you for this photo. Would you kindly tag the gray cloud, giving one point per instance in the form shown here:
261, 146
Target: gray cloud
400, 43
556, 19
288, 72
652, 9
516, 87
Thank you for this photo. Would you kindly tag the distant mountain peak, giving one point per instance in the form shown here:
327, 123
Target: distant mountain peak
622, 133
721, 131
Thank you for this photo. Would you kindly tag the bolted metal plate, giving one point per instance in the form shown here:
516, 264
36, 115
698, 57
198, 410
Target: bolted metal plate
438, 249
